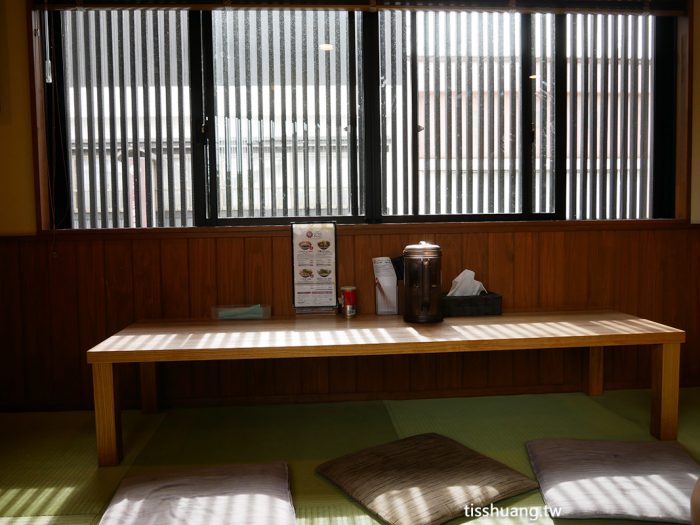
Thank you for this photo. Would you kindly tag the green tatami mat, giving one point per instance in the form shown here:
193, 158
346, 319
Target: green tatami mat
634, 405
48, 465
302, 435
499, 426
49, 473
90, 519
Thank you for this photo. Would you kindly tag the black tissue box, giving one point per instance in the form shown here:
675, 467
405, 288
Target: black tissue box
469, 305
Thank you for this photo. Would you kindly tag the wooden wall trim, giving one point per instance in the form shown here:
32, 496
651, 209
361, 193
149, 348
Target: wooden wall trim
365, 229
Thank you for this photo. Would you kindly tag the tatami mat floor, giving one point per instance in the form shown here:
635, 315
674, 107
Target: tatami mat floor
48, 472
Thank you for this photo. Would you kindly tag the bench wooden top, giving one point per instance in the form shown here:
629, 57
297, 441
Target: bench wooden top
321, 336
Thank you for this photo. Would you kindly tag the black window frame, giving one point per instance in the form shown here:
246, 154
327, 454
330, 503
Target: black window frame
204, 170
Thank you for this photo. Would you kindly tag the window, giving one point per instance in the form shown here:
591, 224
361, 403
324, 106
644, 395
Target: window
282, 114
180, 118
127, 118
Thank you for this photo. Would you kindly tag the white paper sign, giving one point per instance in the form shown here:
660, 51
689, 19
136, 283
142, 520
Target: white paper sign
314, 267
386, 289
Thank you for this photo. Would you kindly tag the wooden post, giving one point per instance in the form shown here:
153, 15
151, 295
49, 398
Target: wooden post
665, 372
107, 415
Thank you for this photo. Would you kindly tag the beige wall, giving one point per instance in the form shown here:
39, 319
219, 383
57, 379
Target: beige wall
17, 210
17, 207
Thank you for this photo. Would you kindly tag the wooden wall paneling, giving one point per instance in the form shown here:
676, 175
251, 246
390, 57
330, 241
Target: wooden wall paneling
396, 369
342, 372
552, 283
259, 270
475, 256
602, 280
342, 375
370, 373
202, 275
452, 253
258, 282
576, 270
174, 275
282, 294
98, 284
623, 362
676, 275
501, 275
650, 286
147, 305
231, 289
92, 313
288, 372
66, 355
175, 297
628, 271
526, 296
206, 383
526, 274
423, 373
346, 260
577, 262
119, 307
12, 372
575, 368
651, 250
288, 379
449, 366
230, 270
690, 351
36, 319
147, 281
119, 285
674, 246
601, 269
551, 362
315, 375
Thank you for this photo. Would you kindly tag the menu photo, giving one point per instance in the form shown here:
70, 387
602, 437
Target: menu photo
314, 266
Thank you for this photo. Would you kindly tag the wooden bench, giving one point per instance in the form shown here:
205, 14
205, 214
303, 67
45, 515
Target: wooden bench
324, 336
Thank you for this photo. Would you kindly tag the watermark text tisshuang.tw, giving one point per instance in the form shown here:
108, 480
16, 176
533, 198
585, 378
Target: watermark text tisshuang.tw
529, 513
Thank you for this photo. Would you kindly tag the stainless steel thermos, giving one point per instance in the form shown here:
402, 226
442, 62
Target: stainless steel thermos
422, 283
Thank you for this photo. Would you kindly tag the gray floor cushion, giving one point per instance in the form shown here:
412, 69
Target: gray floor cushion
423, 480
615, 479
229, 494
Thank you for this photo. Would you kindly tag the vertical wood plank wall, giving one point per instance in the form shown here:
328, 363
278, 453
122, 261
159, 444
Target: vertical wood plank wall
62, 294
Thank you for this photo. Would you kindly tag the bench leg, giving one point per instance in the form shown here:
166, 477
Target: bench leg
595, 370
149, 388
107, 415
665, 372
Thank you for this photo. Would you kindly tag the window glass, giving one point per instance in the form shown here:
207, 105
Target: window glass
610, 73
283, 113
126, 78
542, 80
468, 111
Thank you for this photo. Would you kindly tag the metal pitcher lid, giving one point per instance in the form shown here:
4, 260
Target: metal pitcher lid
422, 249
